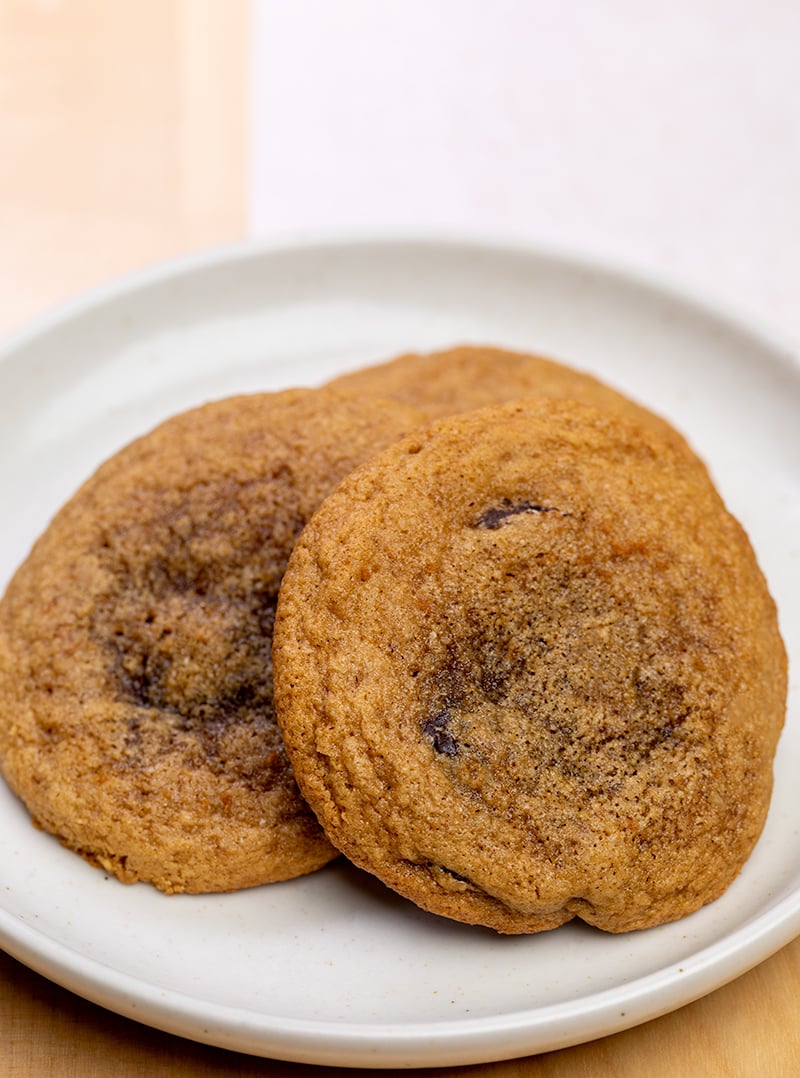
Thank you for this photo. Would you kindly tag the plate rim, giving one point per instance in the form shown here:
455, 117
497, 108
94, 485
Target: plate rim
671, 286
449, 1041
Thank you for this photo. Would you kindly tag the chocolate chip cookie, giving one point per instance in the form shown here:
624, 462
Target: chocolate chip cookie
527, 669
467, 377
136, 713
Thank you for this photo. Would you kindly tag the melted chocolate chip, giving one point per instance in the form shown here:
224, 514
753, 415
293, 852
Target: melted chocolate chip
199, 659
436, 728
141, 684
146, 688
498, 515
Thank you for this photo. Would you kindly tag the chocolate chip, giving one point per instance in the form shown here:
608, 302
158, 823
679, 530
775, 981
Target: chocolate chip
498, 515
436, 729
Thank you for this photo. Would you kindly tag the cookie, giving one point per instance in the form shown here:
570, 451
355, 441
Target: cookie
136, 713
527, 669
467, 377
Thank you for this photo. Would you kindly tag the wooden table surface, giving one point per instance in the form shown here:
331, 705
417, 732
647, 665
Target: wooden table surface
123, 140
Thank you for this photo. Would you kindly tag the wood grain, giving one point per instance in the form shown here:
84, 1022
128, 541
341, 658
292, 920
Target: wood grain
123, 129
747, 1029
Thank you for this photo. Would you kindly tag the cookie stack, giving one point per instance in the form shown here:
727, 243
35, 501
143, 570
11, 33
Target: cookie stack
473, 619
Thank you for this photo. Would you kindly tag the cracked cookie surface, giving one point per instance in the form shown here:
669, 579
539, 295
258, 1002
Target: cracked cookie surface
527, 669
136, 713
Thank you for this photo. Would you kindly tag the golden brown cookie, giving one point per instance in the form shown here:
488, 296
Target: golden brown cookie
468, 377
527, 669
136, 714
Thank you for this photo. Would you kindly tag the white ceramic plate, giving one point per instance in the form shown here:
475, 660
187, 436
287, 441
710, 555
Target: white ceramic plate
333, 968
